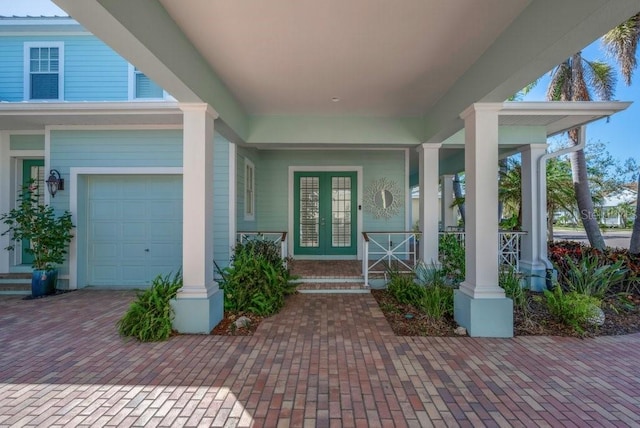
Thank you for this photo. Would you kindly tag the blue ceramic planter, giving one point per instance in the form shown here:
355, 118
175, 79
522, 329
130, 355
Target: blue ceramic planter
43, 282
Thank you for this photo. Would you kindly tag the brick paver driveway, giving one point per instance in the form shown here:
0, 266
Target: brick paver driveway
327, 360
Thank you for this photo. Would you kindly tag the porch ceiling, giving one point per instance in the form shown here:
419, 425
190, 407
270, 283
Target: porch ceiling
403, 71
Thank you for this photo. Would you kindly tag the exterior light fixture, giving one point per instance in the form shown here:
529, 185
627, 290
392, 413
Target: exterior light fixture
54, 182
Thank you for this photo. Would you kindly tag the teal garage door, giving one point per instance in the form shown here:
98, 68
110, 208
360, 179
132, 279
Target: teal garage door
134, 226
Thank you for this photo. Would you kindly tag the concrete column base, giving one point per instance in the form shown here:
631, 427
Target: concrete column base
535, 276
198, 315
483, 317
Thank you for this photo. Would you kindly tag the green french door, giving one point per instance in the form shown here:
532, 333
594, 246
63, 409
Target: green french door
325, 213
32, 169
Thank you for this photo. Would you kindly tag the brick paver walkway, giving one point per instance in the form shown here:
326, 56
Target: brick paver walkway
326, 360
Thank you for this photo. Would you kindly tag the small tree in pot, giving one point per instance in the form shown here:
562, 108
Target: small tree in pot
48, 234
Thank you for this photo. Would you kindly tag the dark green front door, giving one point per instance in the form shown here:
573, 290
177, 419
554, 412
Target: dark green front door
32, 169
325, 213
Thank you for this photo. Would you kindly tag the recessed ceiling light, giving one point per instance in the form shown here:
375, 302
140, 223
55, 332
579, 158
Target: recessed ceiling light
335, 99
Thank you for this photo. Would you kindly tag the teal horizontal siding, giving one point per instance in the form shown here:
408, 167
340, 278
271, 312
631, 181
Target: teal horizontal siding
93, 71
221, 250
26, 142
11, 70
273, 175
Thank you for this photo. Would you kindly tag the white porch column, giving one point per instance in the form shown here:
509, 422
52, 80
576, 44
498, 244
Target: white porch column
534, 212
198, 306
5, 198
447, 212
428, 181
480, 304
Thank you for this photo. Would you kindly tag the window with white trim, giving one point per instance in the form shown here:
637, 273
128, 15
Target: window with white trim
249, 190
43, 71
143, 88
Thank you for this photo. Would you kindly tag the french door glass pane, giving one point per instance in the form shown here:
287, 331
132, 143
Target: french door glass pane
341, 211
309, 212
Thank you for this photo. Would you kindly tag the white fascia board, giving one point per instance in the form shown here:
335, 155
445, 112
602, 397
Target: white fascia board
43, 108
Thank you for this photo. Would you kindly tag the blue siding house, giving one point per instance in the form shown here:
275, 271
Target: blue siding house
179, 138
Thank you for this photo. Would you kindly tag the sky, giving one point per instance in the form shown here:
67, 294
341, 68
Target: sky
621, 132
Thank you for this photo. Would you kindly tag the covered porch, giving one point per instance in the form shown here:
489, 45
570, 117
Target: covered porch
331, 77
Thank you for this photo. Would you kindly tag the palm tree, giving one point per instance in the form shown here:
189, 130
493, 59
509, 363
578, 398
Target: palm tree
622, 43
459, 197
574, 80
560, 195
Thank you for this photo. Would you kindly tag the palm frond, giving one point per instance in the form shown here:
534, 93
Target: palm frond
621, 44
601, 77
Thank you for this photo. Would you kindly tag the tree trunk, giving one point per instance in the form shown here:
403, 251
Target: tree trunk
583, 195
634, 245
457, 192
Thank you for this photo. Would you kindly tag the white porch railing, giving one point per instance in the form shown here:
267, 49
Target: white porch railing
276, 237
383, 250
509, 243
399, 251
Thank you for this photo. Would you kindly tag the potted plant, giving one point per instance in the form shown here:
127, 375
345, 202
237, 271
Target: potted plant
48, 234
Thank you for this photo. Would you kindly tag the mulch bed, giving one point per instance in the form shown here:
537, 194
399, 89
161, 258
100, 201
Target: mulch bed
622, 316
227, 326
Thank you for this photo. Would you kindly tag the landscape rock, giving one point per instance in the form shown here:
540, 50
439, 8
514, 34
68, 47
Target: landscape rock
597, 317
242, 322
460, 331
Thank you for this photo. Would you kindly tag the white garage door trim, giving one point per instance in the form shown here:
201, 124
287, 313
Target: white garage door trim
75, 174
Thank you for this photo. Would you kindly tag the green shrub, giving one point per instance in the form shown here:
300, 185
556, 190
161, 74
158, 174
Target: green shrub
257, 280
452, 257
571, 308
437, 301
590, 275
511, 281
404, 289
403, 286
149, 318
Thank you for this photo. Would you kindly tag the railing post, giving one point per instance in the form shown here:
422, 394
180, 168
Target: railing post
365, 259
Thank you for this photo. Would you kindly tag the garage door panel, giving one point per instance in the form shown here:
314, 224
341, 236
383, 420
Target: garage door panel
104, 251
136, 275
132, 190
104, 230
163, 209
164, 231
134, 209
104, 210
135, 228
134, 251
167, 251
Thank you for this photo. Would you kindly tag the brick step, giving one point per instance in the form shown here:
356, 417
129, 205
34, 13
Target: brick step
332, 287
15, 288
15, 276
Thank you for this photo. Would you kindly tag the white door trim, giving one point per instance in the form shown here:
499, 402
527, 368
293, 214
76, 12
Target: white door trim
74, 174
290, 198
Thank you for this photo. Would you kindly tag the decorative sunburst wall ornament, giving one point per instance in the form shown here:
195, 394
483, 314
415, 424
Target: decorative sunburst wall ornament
383, 198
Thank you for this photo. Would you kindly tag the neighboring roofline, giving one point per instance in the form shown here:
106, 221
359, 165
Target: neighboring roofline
33, 25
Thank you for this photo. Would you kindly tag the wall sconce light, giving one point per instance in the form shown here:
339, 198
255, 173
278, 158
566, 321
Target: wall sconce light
54, 182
